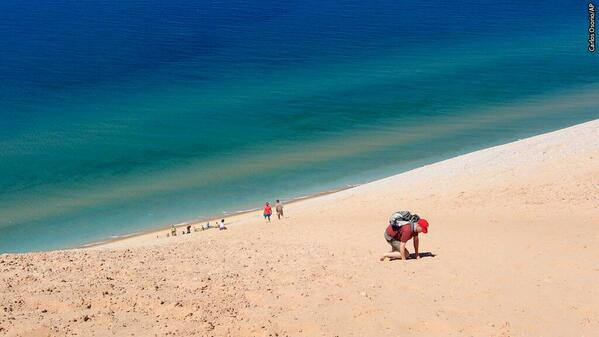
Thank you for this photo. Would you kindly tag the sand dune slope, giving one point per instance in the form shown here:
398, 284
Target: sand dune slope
514, 233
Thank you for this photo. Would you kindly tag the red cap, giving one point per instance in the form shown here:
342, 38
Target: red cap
424, 225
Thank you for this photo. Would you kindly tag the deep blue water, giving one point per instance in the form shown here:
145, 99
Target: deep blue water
117, 117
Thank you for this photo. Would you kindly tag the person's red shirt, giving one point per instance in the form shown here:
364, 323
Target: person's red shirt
404, 233
267, 209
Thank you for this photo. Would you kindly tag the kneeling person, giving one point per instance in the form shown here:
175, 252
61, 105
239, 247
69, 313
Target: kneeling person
398, 235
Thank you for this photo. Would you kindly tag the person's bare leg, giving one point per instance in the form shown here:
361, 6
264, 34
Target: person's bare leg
395, 255
391, 256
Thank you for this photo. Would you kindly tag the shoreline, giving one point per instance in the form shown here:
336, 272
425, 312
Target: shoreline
364, 180
195, 222
235, 215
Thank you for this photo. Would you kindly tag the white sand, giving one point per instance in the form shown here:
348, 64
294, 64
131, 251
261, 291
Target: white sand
515, 231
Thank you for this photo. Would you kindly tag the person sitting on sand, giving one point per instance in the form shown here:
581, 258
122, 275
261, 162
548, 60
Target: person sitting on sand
188, 229
173, 230
267, 211
221, 225
279, 209
398, 235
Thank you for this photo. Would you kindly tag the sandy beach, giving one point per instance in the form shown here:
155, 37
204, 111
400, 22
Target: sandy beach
512, 250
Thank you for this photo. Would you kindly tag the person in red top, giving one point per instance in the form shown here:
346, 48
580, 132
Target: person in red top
398, 235
267, 211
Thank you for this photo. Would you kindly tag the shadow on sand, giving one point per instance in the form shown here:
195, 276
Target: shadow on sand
425, 254
413, 256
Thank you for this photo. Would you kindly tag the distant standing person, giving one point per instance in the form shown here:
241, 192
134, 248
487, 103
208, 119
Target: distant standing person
267, 211
279, 209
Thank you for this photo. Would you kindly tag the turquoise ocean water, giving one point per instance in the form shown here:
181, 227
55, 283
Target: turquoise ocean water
119, 117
